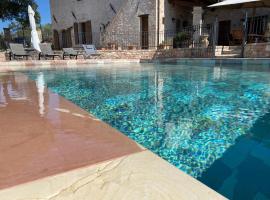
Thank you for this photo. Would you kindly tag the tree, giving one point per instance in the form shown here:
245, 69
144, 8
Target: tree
17, 10
47, 32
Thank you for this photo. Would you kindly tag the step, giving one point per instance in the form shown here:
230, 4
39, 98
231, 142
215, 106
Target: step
228, 56
227, 47
238, 51
228, 51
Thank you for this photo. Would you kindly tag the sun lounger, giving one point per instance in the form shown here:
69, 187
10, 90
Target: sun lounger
90, 50
17, 50
70, 52
47, 52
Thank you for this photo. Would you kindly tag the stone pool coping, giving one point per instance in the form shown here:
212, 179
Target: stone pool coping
47, 63
214, 61
44, 64
44, 143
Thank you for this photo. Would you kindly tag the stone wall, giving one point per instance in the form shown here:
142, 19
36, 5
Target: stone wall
123, 25
125, 28
155, 54
258, 50
98, 11
140, 54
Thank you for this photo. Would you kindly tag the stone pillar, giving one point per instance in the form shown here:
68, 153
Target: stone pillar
197, 22
267, 32
197, 15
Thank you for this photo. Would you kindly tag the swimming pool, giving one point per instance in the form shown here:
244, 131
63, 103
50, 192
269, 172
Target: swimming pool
213, 122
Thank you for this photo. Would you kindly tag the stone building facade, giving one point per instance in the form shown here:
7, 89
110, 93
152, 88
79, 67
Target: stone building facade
80, 21
141, 24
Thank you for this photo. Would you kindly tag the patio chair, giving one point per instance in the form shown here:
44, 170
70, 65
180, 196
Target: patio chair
17, 50
90, 50
47, 52
70, 52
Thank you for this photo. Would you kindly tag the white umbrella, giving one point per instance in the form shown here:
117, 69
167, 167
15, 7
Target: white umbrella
242, 3
34, 35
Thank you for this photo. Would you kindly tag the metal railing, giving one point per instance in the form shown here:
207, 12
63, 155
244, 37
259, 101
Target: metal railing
198, 39
257, 29
190, 37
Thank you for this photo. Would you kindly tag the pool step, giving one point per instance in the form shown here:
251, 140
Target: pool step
228, 56
228, 51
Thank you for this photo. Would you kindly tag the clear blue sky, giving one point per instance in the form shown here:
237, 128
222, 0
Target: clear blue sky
44, 9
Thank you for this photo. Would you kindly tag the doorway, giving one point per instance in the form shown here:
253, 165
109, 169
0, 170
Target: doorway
86, 28
66, 38
224, 33
144, 32
56, 41
76, 33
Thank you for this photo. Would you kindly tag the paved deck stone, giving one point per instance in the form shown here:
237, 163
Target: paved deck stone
136, 176
46, 135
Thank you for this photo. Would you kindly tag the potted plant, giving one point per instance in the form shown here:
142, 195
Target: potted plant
161, 45
204, 40
179, 39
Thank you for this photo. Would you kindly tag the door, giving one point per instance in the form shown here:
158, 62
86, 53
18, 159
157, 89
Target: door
64, 40
76, 33
88, 32
68, 37
82, 33
224, 33
144, 32
86, 28
56, 41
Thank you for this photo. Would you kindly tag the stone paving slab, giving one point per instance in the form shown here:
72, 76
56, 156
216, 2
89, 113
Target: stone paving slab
24, 64
45, 135
134, 177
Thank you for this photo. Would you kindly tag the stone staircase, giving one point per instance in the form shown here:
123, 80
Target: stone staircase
228, 51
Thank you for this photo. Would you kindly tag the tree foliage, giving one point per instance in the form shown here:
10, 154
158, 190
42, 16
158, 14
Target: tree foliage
17, 10
47, 30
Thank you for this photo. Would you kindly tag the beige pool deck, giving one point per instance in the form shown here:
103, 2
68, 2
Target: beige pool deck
50, 149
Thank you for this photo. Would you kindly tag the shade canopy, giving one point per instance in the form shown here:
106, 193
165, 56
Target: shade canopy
242, 3
34, 35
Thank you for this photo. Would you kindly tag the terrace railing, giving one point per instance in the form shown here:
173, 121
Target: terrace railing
193, 37
258, 29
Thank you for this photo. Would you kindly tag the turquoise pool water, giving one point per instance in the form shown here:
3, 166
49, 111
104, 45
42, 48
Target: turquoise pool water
213, 122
